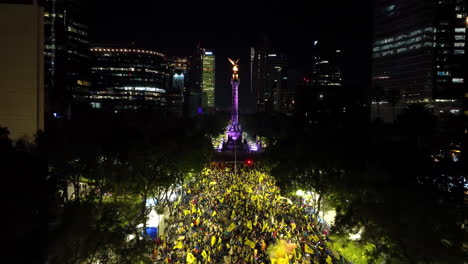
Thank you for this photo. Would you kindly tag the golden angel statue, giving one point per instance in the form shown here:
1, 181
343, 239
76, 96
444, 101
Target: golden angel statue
235, 69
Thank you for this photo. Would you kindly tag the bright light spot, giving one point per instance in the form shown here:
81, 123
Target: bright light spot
153, 219
329, 217
356, 236
300, 193
254, 147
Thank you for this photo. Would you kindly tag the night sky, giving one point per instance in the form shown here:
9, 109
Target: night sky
230, 28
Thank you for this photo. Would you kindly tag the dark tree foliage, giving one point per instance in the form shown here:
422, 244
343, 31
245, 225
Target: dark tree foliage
124, 159
371, 176
25, 195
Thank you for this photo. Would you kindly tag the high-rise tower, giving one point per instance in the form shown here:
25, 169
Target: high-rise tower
419, 55
66, 54
208, 80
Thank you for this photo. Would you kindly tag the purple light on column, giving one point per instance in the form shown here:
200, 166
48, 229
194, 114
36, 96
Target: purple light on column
235, 101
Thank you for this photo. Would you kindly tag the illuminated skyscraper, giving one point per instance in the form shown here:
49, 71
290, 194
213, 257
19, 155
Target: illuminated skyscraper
66, 53
127, 79
208, 80
200, 96
269, 78
419, 53
178, 68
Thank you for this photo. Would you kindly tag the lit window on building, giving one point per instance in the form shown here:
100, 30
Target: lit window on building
457, 80
83, 83
443, 73
96, 105
458, 52
460, 30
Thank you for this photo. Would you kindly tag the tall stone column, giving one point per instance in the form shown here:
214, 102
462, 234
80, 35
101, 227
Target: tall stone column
235, 102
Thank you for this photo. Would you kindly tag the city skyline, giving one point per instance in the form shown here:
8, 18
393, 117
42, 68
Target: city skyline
234, 132
291, 29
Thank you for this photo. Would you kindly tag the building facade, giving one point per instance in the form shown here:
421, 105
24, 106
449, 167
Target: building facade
66, 52
178, 68
320, 95
208, 81
200, 95
127, 79
192, 96
419, 53
22, 68
269, 78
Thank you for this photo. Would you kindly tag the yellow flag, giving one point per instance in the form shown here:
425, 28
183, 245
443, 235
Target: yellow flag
233, 214
213, 240
194, 210
231, 227
307, 249
204, 255
293, 226
214, 213
219, 240
178, 245
249, 243
221, 200
279, 260
197, 221
189, 191
187, 212
190, 258
298, 254
329, 260
249, 225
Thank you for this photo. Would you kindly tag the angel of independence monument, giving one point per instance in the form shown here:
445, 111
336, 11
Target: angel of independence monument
234, 133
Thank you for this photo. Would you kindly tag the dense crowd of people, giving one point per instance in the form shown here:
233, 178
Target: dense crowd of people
240, 218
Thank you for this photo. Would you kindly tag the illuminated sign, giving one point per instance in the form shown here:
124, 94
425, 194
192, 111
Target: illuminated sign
208, 53
271, 55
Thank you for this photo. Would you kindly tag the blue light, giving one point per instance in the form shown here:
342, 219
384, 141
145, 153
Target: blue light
208, 53
152, 232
